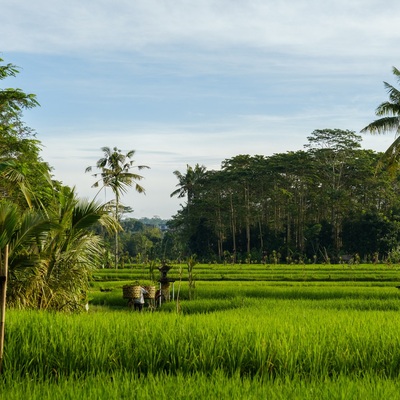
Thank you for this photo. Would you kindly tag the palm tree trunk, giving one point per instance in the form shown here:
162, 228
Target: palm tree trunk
116, 232
247, 206
233, 227
3, 292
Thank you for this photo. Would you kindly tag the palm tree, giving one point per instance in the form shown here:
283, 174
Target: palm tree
23, 186
390, 121
21, 231
53, 271
8, 219
187, 182
115, 173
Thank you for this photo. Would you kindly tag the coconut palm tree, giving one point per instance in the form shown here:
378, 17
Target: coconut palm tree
187, 182
18, 231
115, 173
390, 121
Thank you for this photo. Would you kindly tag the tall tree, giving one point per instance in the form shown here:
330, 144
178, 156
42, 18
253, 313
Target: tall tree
241, 170
390, 121
12, 101
17, 230
21, 165
334, 151
189, 185
187, 182
115, 173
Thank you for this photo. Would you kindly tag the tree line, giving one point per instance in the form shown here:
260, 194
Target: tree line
330, 201
317, 204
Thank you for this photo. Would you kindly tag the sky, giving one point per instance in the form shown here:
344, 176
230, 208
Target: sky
186, 82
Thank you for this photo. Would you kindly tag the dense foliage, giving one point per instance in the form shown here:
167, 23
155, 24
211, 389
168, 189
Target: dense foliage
46, 236
315, 204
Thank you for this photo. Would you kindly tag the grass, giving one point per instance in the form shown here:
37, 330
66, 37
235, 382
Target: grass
208, 292
261, 272
284, 339
122, 385
267, 338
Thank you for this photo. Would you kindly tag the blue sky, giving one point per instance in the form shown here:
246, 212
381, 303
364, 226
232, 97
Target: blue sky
199, 81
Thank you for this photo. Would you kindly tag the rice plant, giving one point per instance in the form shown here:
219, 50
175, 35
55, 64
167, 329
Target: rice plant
270, 337
242, 339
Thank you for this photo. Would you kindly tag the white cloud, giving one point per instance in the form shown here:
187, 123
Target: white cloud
185, 82
308, 27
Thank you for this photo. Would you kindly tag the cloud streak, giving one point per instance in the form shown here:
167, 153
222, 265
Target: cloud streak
186, 82
263, 25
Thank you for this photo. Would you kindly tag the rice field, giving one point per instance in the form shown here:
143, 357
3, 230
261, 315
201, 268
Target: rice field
237, 339
269, 272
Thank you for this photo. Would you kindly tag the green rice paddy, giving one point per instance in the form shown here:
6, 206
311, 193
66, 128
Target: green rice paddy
286, 332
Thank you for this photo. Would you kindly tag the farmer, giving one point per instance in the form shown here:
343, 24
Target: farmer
138, 303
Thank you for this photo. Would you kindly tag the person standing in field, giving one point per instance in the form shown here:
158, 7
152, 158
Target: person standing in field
138, 303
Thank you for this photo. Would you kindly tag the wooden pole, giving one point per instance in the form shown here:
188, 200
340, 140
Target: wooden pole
3, 292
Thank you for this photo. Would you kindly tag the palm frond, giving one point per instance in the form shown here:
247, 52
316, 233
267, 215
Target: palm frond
383, 125
9, 221
390, 110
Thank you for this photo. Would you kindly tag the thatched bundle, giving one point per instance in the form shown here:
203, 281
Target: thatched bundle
151, 292
131, 292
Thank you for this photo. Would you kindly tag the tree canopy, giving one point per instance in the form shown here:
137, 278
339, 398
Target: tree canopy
300, 205
115, 172
47, 231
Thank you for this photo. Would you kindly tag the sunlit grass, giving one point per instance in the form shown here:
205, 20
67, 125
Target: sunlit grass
260, 272
226, 290
249, 339
123, 385
252, 337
